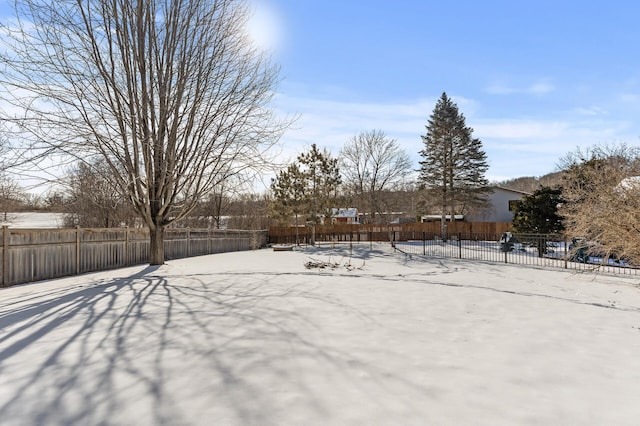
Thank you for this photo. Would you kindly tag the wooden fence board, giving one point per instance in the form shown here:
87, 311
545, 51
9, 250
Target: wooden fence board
38, 254
367, 232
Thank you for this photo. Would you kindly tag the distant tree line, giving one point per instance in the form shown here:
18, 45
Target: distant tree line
374, 174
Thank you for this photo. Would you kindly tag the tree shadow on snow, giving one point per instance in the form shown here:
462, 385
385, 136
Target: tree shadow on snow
360, 251
173, 348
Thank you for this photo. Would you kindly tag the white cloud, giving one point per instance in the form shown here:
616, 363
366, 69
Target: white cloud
514, 147
520, 129
591, 111
542, 87
332, 123
633, 98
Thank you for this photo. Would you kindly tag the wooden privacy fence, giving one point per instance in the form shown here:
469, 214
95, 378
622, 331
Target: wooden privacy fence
343, 232
38, 254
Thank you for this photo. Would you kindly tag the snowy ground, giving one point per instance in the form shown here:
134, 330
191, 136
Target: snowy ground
33, 220
255, 338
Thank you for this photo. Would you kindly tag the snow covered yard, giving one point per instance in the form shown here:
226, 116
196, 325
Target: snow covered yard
34, 220
255, 338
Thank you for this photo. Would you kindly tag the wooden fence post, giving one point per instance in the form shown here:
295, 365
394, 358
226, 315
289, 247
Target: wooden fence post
188, 242
78, 250
5, 256
127, 261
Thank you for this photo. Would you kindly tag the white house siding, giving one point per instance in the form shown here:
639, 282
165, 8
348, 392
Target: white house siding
498, 211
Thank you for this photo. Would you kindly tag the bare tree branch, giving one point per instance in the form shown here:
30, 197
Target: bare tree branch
170, 94
373, 163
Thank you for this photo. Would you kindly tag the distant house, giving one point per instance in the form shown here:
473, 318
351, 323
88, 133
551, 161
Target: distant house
438, 217
501, 207
348, 216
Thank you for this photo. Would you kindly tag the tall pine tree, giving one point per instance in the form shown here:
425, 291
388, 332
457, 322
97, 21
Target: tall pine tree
308, 186
323, 179
289, 195
454, 165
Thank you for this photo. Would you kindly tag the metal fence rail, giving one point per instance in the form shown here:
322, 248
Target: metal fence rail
538, 250
547, 251
39, 254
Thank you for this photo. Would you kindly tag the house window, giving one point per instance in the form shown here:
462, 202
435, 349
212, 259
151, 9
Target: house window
513, 205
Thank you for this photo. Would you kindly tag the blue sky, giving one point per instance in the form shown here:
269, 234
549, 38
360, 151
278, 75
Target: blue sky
534, 79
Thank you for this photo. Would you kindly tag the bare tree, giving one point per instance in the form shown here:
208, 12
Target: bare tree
213, 209
601, 189
94, 200
250, 211
372, 164
11, 196
171, 94
217, 204
3, 150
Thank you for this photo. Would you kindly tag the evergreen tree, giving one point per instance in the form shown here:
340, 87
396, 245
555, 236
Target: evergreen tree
538, 213
309, 186
454, 165
323, 179
289, 195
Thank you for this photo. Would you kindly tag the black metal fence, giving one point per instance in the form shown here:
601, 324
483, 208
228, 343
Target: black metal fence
537, 250
547, 251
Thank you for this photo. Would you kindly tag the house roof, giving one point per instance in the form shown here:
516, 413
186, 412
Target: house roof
345, 213
515, 191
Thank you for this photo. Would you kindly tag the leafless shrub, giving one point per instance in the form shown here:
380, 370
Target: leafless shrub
601, 186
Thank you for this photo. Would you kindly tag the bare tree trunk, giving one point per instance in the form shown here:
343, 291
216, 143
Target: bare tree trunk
174, 110
156, 249
443, 217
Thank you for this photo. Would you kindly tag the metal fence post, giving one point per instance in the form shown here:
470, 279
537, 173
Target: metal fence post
424, 243
459, 245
